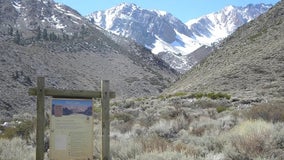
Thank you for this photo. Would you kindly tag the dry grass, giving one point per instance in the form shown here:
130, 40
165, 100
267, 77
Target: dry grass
16, 149
273, 111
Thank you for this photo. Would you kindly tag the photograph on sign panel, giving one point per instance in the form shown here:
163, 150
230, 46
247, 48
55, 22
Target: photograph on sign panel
65, 107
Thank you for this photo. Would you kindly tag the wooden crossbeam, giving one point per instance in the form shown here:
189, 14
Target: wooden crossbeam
56, 93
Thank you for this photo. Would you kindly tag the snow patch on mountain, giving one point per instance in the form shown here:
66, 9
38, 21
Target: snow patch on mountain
57, 23
17, 6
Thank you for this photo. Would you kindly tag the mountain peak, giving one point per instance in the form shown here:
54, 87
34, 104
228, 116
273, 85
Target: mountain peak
126, 6
228, 9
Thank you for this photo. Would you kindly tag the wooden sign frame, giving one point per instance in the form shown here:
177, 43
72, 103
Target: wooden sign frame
40, 91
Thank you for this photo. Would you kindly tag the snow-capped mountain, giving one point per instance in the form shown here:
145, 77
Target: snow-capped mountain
169, 37
216, 26
152, 28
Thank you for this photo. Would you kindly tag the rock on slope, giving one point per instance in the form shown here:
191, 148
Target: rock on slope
249, 63
75, 56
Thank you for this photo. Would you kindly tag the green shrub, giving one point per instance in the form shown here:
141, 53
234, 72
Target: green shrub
197, 95
220, 109
9, 133
211, 95
97, 109
23, 129
179, 94
122, 116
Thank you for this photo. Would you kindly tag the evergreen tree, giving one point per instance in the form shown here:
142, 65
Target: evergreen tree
10, 31
17, 37
44, 34
52, 37
65, 37
38, 36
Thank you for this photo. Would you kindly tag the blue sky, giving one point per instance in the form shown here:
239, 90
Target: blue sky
182, 9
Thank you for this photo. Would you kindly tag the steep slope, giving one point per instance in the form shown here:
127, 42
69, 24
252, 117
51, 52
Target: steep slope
249, 63
76, 56
167, 36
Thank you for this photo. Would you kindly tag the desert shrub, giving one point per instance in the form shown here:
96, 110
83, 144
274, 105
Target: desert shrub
15, 149
167, 155
129, 150
9, 133
128, 104
220, 109
219, 95
249, 140
163, 128
201, 145
205, 103
97, 109
23, 129
186, 149
227, 122
153, 143
147, 119
273, 112
178, 94
122, 116
278, 136
170, 128
198, 95
211, 95
204, 125
198, 131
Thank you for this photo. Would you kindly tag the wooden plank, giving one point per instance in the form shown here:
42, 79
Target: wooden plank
105, 120
57, 93
40, 119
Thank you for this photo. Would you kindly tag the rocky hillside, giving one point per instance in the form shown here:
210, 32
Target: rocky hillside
249, 63
43, 38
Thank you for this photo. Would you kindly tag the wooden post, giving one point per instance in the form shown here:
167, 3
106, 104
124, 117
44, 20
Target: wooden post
40, 119
105, 97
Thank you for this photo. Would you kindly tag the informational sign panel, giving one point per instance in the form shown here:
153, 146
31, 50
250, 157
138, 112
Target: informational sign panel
71, 129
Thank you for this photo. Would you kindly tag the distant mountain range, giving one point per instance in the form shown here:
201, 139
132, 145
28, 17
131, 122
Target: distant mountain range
169, 37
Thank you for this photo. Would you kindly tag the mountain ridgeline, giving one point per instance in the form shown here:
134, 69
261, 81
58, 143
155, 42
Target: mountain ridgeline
169, 37
44, 38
